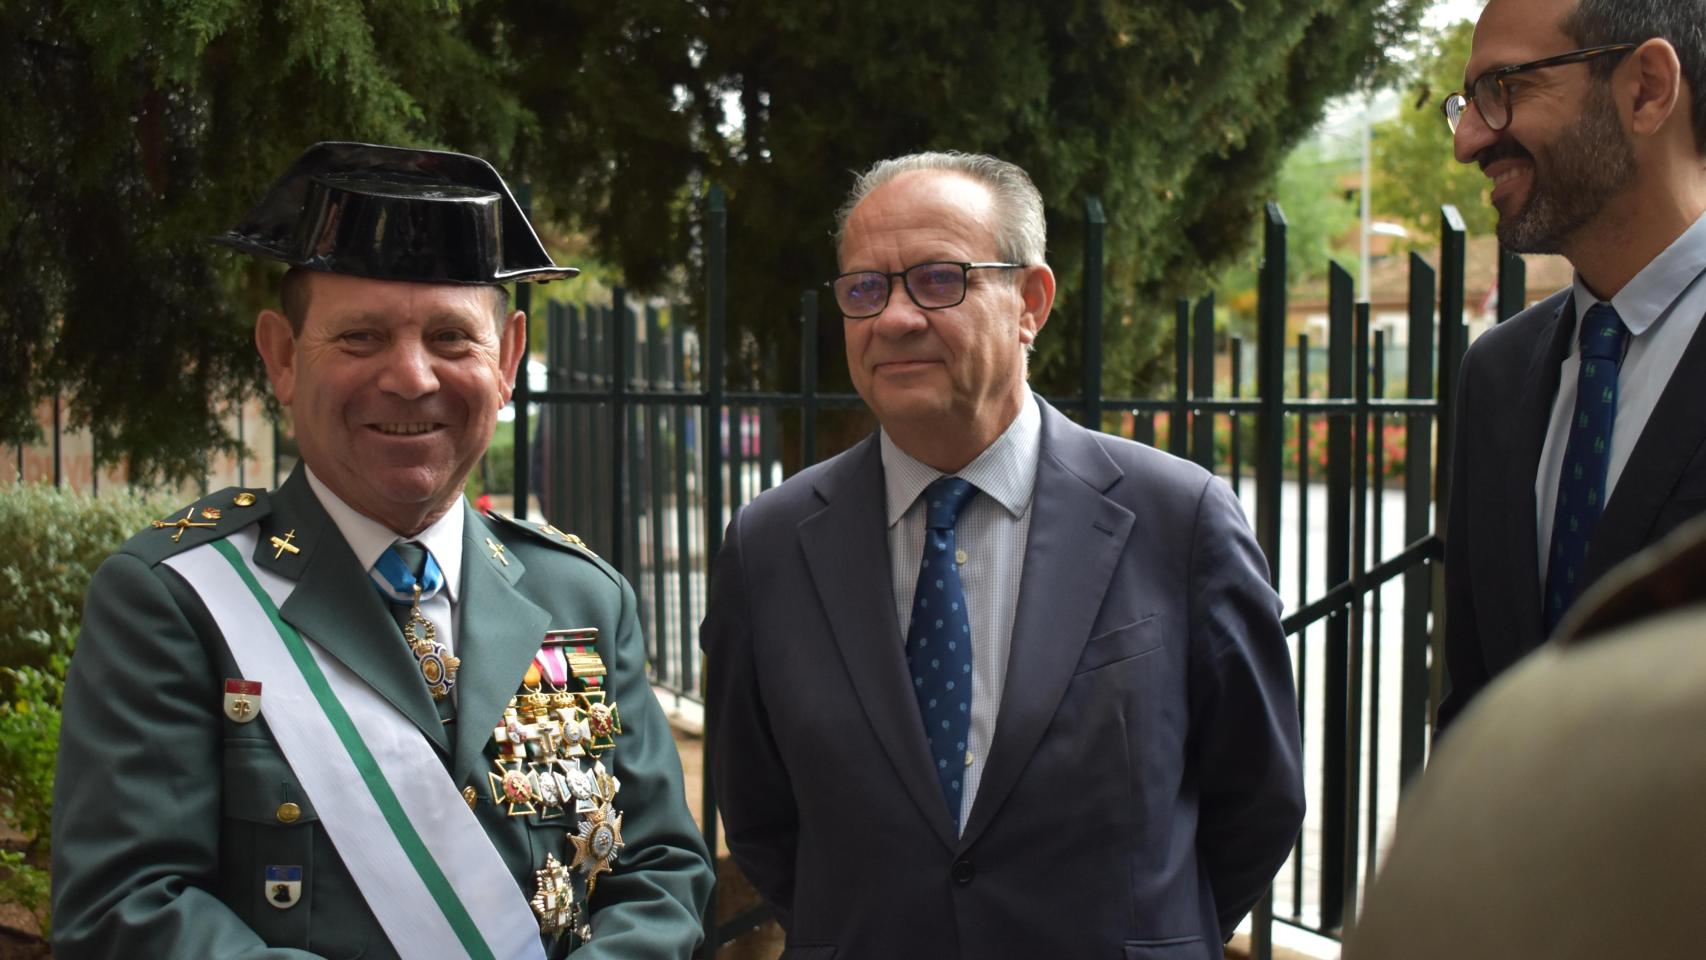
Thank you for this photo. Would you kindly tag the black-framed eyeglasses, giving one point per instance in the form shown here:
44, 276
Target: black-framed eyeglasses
933, 286
1489, 95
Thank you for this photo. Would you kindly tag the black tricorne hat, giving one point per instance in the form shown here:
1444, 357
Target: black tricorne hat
393, 213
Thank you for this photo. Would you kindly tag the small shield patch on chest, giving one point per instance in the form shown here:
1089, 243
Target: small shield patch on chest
242, 700
283, 886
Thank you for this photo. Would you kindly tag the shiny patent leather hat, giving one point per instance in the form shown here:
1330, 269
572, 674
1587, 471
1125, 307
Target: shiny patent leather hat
391, 213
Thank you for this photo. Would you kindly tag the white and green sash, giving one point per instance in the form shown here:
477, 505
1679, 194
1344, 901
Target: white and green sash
420, 858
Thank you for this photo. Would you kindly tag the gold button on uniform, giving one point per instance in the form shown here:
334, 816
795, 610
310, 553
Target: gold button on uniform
289, 812
470, 796
960, 557
244, 499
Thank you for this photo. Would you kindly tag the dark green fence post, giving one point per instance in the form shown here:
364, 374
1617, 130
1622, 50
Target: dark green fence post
1270, 456
1335, 694
1270, 384
1178, 440
1202, 362
618, 328
1095, 225
1418, 478
808, 377
716, 267
1452, 339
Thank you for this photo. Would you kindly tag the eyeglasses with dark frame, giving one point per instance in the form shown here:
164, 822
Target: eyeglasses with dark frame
1489, 95
937, 285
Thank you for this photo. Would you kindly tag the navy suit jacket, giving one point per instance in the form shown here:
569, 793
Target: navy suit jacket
1143, 785
1504, 403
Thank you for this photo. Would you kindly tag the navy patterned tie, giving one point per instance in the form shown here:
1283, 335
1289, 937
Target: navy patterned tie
1587, 454
938, 640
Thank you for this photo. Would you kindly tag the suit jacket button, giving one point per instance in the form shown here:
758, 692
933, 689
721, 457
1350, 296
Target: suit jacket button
962, 872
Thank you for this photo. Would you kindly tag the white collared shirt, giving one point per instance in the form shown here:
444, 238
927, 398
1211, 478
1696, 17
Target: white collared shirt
1662, 308
992, 530
368, 538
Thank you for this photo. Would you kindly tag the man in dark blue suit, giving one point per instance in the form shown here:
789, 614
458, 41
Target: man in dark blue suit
991, 684
1581, 428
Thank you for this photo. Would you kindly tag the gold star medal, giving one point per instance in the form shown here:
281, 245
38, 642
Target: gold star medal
598, 843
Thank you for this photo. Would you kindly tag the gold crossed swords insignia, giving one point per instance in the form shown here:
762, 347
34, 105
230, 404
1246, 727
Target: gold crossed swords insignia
183, 523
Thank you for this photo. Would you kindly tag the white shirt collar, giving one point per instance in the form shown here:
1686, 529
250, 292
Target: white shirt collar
368, 538
1648, 298
1006, 470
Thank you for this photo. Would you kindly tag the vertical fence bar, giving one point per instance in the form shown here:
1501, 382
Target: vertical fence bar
716, 279
1234, 434
1202, 362
522, 396
1357, 633
656, 418
1513, 284
1095, 225
58, 449
1270, 455
808, 377
580, 504
684, 466
1451, 344
1377, 528
1178, 442
1418, 456
598, 319
1335, 697
1270, 384
618, 330
1303, 468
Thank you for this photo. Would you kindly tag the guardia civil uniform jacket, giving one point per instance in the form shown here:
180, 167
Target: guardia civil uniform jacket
181, 829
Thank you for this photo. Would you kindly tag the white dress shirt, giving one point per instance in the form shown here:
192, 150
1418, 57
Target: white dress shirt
1662, 308
992, 530
368, 538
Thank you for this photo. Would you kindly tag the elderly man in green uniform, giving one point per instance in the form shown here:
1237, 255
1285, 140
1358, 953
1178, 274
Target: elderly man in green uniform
353, 716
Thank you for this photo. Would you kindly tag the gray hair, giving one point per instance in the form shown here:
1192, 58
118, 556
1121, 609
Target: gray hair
1021, 236
1682, 23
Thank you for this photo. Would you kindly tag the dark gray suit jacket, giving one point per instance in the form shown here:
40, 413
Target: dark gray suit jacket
1504, 402
1143, 785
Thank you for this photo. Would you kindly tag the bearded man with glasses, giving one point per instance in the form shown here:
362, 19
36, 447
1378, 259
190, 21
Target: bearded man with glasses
991, 684
1581, 433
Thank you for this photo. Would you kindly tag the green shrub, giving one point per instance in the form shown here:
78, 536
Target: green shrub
51, 541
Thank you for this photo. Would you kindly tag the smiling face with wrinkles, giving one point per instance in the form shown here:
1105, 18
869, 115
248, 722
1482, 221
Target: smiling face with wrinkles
394, 389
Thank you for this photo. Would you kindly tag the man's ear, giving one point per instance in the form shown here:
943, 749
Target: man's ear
277, 344
1037, 293
512, 346
1656, 76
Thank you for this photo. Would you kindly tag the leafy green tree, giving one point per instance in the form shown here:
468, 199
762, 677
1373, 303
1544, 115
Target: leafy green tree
137, 129
1414, 170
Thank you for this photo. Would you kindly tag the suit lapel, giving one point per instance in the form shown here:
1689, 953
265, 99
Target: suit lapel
499, 632
1533, 415
336, 606
1076, 538
850, 533
1667, 444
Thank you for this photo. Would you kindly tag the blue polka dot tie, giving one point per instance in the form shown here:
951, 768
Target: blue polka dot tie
1587, 454
938, 640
